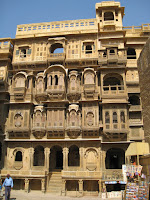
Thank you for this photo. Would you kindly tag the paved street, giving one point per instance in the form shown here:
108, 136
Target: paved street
36, 195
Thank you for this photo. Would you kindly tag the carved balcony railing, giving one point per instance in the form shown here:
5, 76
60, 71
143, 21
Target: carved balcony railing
133, 122
56, 57
19, 92
74, 93
58, 27
6, 47
114, 90
135, 108
73, 129
40, 94
112, 175
56, 91
115, 127
89, 88
89, 54
39, 129
83, 174
119, 56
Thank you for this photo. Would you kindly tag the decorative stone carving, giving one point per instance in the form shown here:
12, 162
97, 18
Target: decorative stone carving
89, 78
91, 157
18, 119
73, 121
20, 81
73, 92
39, 121
90, 118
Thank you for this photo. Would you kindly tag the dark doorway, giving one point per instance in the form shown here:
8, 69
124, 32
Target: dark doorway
59, 160
115, 158
56, 158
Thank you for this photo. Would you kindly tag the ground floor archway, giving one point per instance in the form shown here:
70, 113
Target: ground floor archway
56, 158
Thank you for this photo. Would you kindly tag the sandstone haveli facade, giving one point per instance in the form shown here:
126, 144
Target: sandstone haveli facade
70, 102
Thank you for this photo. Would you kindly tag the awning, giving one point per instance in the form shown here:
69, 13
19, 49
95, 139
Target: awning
137, 148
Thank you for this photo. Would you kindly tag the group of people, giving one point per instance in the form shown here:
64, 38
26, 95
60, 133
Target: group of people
8, 184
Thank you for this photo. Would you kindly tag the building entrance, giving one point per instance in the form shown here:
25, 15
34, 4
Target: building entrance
56, 158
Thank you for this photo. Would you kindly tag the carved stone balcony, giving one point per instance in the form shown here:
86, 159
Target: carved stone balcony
73, 93
135, 108
115, 132
135, 122
116, 57
56, 57
73, 130
89, 54
39, 130
40, 95
56, 91
6, 48
19, 93
18, 132
89, 90
55, 131
114, 90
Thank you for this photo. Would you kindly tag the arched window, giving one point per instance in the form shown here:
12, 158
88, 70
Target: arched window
115, 117
107, 118
131, 53
112, 81
108, 16
115, 158
23, 53
39, 156
20, 81
74, 157
18, 156
56, 80
89, 78
88, 49
56, 48
122, 117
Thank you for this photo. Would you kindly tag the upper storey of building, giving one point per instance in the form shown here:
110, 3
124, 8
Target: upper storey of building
109, 17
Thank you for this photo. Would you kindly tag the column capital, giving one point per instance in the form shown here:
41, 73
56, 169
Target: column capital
65, 150
47, 150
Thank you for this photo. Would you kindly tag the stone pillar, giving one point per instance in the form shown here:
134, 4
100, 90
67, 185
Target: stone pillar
65, 158
63, 192
81, 158
47, 153
43, 185
31, 153
26, 186
103, 159
99, 166
100, 188
80, 187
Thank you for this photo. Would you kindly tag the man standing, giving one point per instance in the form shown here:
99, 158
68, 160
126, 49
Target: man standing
8, 184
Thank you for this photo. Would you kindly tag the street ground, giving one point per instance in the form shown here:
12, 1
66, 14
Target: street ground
37, 195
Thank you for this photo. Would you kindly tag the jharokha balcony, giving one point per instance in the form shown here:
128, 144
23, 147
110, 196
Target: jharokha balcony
114, 90
112, 56
39, 130
19, 92
56, 57
55, 91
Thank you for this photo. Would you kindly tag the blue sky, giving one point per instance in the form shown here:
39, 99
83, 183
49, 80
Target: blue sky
14, 12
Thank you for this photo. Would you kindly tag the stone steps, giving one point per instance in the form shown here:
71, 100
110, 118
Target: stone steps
55, 183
